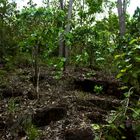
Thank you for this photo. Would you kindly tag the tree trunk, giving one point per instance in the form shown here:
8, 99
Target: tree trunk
67, 30
36, 70
63, 49
121, 6
61, 37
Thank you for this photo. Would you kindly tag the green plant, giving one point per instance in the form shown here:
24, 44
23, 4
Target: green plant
115, 126
58, 74
81, 59
9, 63
98, 89
12, 106
31, 130
90, 74
97, 130
60, 64
124, 113
128, 63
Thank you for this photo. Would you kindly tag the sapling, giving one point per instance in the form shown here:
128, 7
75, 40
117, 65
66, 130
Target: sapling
98, 89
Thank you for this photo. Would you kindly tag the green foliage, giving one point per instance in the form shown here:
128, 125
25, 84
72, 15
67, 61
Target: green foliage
58, 75
97, 130
115, 126
95, 6
22, 60
82, 59
90, 74
128, 63
40, 26
31, 131
7, 28
57, 63
98, 42
98, 89
125, 113
12, 105
134, 24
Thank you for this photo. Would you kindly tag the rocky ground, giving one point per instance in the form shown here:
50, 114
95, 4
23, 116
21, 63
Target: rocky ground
66, 108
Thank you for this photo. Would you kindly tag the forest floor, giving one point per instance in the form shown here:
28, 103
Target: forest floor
66, 108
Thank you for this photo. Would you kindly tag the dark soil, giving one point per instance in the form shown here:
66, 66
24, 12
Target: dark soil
45, 116
65, 110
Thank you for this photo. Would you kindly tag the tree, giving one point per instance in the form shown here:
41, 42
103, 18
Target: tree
63, 48
7, 28
122, 6
61, 38
68, 26
134, 24
33, 36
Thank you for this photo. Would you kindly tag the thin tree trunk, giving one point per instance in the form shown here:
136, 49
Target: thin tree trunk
2, 42
63, 49
121, 6
61, 4
36, 70
67, 30
61, 38
61, 45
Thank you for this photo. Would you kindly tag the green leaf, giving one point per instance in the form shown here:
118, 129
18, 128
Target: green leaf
134, 75
122, 126
119, 75
133, 41
95, 126
120, 56
123, 70
123, 87
138, 47
100, 59
129, 66
137, 59
117, 56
